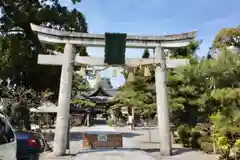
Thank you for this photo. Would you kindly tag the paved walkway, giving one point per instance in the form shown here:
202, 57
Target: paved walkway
125, 153
135, 144
141, 137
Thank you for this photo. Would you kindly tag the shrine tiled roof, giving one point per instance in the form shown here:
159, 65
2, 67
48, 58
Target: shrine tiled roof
100, 91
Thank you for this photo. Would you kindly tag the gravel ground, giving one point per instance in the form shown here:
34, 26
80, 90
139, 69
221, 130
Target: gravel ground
142, 142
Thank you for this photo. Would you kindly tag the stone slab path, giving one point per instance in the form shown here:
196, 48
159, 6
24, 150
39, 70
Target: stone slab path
135, 144
125, 153
141, 137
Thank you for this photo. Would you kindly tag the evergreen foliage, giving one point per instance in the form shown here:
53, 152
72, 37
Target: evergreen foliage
146, 54
20, 46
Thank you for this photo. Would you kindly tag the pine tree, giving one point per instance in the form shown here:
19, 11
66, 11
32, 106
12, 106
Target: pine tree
228, 36
146, 53
80, 89
136, 96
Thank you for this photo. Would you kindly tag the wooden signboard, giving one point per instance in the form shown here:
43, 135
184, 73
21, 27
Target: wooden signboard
102, 140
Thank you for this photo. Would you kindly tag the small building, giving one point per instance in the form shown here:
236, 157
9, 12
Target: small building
101, 97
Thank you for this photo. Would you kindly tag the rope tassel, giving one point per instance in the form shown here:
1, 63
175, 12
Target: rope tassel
147, 72
131, 77
83, 71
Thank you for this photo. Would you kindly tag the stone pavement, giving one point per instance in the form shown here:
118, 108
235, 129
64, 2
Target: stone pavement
77, 153
135, 144
142, 139
125, 153
119, 154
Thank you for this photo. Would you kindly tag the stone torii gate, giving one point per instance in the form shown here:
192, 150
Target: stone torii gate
68, 59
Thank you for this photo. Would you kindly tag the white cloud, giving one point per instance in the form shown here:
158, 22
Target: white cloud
67, 3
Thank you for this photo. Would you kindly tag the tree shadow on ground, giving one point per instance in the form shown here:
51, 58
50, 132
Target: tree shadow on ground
129, 134
175, 151
49, 155
145, 128
178, 151
148, 142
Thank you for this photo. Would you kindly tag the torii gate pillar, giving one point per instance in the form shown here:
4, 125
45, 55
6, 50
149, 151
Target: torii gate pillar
60, 139
162, 103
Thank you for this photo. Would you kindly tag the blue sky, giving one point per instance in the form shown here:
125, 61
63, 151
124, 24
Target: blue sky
157, 17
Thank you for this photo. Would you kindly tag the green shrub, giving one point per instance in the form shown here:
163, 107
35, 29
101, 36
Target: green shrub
177, 140
206, 144
153, 122
206, 147
236, 149
184, 135
195, 139
224, 147
110, 122
175, 135
121, 123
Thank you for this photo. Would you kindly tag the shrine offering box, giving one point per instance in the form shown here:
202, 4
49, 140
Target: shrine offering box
102, 140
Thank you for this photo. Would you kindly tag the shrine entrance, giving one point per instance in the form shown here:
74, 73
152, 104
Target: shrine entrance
68, 59
101, 97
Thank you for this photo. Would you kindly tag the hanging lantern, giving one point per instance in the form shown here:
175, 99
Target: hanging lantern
83, 71
147, 72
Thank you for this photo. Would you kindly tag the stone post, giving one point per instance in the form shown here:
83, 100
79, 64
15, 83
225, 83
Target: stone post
162, 103
68, 137
60, 139
133, 119
88, 119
